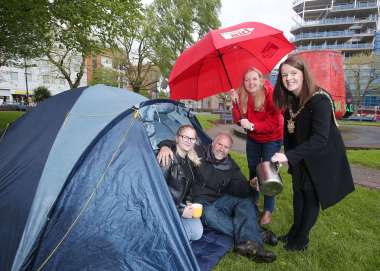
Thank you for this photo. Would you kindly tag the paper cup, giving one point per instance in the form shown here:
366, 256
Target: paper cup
197, 210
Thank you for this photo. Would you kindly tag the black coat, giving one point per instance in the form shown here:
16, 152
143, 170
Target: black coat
213, 179
179, 176
318, 143
217, 178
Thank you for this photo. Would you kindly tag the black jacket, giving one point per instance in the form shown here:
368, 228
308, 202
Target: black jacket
318, 143
215, 178
179, 176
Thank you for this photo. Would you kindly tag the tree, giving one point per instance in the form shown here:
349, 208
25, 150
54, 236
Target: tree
23, 29
133, 55
80, 28
176, 25
105, 76
361, 69
40, 94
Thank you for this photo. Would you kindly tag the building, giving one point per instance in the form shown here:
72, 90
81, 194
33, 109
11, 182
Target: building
346, 25
18, 81
349, 26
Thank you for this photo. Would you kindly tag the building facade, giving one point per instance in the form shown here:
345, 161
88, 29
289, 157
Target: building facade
18, 81
348, 26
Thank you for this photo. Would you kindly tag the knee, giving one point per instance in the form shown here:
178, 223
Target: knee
198, 232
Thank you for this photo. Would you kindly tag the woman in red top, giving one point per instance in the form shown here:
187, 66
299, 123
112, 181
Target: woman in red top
253, 109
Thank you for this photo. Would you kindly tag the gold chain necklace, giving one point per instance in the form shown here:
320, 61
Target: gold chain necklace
291, 125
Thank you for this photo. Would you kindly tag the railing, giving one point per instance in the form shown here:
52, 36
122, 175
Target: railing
352, 6
327, 34
343, 20
336, 46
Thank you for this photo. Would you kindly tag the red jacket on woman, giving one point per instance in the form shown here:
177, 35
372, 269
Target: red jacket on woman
268, 122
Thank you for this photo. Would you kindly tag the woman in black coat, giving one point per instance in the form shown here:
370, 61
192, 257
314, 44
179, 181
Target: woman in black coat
314, 149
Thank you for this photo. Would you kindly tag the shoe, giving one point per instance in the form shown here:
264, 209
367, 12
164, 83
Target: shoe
255, 252
269, 237
297, 245
283, 238
266, 218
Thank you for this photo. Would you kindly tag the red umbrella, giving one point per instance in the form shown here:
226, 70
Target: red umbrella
217, 62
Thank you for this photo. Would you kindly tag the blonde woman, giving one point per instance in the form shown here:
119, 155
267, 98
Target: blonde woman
253, 109
180, 175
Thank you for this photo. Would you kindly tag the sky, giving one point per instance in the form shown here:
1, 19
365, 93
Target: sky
276, 13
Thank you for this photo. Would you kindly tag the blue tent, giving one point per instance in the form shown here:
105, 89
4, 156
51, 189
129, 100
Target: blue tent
80, 187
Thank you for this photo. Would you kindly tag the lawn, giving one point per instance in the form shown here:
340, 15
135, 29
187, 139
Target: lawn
359, 123
346, 236
367, 158
207, 120
7, 117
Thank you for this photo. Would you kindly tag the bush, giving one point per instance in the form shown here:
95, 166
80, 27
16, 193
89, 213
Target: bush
40, 94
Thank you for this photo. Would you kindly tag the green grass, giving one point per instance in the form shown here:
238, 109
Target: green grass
367, 158
346, 236
359, 123
7, 117
207, 120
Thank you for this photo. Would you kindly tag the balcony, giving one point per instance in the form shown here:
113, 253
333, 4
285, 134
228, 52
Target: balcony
353, 6
342, 47
326, 34
335, 21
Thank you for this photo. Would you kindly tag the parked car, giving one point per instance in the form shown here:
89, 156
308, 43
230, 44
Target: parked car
13, 106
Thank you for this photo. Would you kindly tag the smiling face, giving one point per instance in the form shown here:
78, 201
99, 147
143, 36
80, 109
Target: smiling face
292, 78
186, 140
252, 82
221, 145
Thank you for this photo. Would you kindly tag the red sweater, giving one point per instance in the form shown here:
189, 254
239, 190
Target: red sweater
268, 123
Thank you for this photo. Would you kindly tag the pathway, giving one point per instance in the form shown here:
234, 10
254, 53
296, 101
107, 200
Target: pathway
354, 137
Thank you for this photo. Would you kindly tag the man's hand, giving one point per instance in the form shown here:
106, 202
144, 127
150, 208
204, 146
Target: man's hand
188, 211
254, 183
165, 156
279, 157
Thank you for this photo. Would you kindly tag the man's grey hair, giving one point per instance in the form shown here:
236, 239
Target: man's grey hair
223, 134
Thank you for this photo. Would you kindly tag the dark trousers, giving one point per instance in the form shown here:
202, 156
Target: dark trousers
233, 216
305, 207
257, 153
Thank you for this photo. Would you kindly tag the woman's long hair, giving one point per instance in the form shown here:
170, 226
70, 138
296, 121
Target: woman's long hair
281, 96
192, 154
259, 96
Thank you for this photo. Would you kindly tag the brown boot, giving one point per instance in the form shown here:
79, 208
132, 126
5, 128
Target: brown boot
255, 251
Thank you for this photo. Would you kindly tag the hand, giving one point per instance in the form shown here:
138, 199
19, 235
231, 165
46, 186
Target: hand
234, 96
254, 184
165, 156
246, 124
279, 157
188, 211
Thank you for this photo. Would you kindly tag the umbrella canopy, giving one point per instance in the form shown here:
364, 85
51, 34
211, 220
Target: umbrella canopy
217, 62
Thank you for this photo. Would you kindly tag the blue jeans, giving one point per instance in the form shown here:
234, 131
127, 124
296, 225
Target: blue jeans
233, 216
193, 228
259, 152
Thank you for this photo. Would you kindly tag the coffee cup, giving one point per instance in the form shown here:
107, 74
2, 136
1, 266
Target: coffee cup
197, 210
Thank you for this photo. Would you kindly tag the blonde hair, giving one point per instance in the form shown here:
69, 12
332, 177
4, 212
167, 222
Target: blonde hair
259, 96
192, 154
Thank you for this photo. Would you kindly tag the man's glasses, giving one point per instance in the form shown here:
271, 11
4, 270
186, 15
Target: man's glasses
188, 139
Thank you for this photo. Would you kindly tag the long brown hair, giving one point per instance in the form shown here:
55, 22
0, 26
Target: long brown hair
192, 155
259, 96
281, 96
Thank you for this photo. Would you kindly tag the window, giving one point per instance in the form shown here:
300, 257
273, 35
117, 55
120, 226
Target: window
29, 77
14, 76
46, 79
